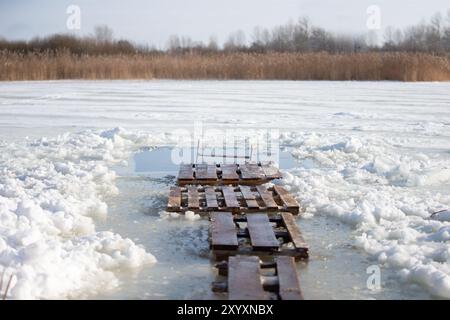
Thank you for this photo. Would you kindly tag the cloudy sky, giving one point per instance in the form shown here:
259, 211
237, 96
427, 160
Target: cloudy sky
153, 21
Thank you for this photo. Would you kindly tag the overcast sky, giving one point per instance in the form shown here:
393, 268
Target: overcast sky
153, 21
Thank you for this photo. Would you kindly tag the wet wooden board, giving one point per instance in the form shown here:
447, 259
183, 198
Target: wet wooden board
231, 200
251, 171
262, 235
288, 279
201, 171
248, 275
238, 199
186, 172
244, 279
293, 230
211, 198
249, 197
287, 199
244, 174
193, 198
206, 172
267, 198
261, 232
229, 173
174, 201
211, 172
271, 172
223, 231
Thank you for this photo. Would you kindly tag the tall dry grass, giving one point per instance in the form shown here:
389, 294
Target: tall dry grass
252, 66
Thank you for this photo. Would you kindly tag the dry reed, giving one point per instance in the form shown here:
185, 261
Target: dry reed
251, 66
8, 285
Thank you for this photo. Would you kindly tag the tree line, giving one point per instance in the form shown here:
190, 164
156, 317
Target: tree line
301, 36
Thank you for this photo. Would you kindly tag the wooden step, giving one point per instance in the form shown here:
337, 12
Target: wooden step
223, 231
246, 279
229, 173
224, 174
249, 197
193, 198
262, 236
251, 172
267, 198
286, 198
174, 202
206, 172
238, 199
288, 279
211, 198
258, 234
186, 172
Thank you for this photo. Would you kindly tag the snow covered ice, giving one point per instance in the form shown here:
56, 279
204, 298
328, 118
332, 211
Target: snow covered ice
50, 195
375, 156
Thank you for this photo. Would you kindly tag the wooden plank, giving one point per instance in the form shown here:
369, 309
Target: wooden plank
267, 198
270, 171
287, 199
288, 279
193, 198
244, 279
230, 198
249, 197
261, 232
229, 172
211, 198
293, 230
211, 172
186, 172
223, 231
251, 172
201, 171
174, 202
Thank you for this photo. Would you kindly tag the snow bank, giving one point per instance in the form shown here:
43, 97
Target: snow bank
50, 195
386, 194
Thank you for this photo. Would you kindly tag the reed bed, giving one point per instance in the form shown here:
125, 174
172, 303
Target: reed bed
235, 65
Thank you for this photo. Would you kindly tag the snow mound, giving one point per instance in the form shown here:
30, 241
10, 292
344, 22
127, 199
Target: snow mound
50, 195
386, 195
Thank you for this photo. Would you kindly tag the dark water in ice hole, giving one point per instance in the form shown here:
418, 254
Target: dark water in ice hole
335, 270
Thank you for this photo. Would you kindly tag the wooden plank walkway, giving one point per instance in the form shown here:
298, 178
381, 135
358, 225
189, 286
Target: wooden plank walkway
247, 281
248, 221
238, 199
257, 234
224, 174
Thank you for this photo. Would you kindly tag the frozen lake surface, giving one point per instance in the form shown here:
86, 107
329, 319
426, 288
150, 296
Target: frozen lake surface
81, 200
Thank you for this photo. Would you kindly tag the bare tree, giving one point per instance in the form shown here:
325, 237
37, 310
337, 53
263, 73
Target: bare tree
236, 41
257, 36
434, 34
174, 43
213, 43
103, 34
446, 37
